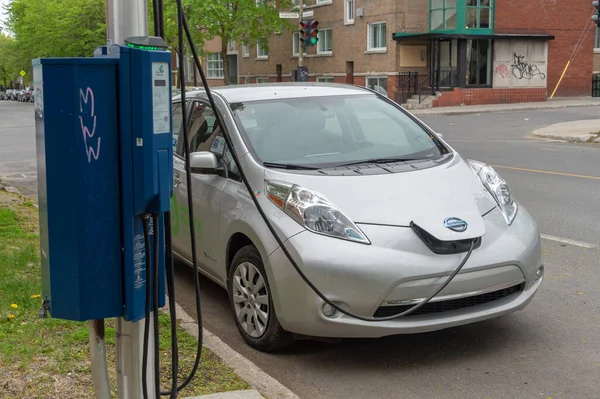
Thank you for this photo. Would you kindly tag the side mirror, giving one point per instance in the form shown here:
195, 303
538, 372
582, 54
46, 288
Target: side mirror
203, 161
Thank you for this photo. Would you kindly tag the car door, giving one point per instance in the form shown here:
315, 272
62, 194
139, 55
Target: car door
206, 192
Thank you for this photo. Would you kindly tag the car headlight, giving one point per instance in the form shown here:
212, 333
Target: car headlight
313, 211
500, 191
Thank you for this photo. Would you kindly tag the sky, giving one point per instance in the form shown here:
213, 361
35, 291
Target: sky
2, 16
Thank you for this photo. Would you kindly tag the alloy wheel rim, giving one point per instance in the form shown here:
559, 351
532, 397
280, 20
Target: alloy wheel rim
251, 299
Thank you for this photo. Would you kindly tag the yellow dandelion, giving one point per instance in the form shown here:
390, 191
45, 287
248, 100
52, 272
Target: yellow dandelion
11, 316
14, 306
36, 296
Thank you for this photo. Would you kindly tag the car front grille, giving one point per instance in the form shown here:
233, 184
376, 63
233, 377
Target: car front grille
452, 304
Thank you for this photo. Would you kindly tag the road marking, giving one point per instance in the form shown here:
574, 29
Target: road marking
547, 172
11, 162
570, 242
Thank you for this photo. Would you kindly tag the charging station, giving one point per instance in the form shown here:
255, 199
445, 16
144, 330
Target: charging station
105, 161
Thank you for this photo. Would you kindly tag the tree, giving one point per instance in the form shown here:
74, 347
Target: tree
57, 28
249, 21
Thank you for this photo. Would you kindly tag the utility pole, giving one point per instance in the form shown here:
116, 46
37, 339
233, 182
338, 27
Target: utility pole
300, 47
128, 18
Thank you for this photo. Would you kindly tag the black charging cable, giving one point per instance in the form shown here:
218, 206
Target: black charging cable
170, 275
188, 169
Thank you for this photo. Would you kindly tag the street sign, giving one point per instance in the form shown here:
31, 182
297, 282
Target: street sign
289, 15
22, 73
308, 13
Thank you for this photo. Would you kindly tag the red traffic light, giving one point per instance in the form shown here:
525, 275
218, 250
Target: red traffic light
314, 25
303, 24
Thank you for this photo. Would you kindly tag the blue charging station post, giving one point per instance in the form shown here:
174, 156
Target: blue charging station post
105, 163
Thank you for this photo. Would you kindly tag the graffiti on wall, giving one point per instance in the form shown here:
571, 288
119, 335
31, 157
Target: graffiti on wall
522, 69
502, 71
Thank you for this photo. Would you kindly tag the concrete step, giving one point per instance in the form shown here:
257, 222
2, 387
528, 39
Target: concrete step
423, 105
415, 100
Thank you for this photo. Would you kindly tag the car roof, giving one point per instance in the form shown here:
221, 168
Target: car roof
268, 91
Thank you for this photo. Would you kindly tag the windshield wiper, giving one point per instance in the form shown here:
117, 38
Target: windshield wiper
381, 160
289, 166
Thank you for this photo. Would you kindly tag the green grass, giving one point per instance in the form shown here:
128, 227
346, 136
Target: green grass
50, 357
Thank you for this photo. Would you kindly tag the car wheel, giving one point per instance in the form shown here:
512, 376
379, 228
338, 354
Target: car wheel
252, 304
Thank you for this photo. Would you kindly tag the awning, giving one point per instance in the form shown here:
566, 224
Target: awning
399, 36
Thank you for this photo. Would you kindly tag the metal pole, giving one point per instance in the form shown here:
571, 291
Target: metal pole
128, 18
300, 47
98, 354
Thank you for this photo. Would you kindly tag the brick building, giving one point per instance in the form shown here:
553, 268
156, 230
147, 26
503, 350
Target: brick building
466, 51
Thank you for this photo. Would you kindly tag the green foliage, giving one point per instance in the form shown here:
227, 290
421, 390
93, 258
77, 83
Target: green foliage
58, 28
49, 28
74, 28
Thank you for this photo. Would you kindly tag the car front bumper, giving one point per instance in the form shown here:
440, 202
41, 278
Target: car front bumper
398, 268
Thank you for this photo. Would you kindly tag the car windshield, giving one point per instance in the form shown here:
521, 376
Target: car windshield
333, 131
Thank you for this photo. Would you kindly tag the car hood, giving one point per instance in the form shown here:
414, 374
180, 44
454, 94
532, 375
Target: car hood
425, 197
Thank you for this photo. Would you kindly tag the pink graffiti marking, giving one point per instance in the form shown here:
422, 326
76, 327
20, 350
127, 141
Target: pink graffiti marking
84, 98
502, 71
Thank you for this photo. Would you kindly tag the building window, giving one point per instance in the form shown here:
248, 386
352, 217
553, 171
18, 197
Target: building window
325, 79
376, 36
479, 14
597, 39
324, 1
261, 51
231, 47
349, 11
262, 80
246, 50
325, 45
295, 3
246, 80
442, 15
214, 65
379, 84
479, 62
295, 43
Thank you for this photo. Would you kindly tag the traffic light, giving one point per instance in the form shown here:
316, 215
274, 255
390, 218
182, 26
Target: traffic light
309, 32
596, 16
314, 32
304, 34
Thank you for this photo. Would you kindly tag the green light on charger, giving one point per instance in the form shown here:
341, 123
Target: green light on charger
151, 43
142, 47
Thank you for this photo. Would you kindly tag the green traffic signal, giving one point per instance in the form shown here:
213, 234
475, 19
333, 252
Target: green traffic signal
314, 41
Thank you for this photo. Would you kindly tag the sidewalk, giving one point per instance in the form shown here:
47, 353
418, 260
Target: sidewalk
585, 131
476, 109
248, 394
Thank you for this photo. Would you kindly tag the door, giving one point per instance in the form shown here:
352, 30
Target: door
206, 192
446, 60
479, 62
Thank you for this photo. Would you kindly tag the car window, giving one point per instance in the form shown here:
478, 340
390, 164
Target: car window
176, 121
201, 126
332, 130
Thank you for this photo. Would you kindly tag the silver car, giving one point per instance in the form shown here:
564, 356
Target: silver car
376, 209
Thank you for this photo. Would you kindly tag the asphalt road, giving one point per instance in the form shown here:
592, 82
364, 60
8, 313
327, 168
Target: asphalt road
551, 349
17, 146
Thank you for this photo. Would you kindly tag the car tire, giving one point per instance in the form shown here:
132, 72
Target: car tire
244, 294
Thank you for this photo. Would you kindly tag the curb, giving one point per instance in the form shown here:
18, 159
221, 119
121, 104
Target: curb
441, 112
242, 366
582, 138
249, 394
